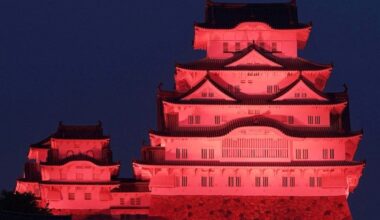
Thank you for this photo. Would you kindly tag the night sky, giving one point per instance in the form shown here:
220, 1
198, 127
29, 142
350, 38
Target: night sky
83, 61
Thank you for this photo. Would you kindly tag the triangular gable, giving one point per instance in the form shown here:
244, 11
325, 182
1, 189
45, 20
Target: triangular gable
300, 91
253, 58
207, 90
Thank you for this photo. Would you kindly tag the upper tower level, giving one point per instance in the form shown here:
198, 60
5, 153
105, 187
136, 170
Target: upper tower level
231, 27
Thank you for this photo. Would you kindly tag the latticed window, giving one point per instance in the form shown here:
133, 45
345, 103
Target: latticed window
217, 119
225, 47
290, 120
257, 181
317, 120
311, 181
265, 181
197, 119
190, 119
122, 201
310, 120
204, 181
332, 153
237, 46
204, 153
238, 181
184, 153
71, 196
177, 153
87, 196
284, 181
274, 46
305, 154
211, 153
298, 153
292, 181
325, 154
184, 181
231, 181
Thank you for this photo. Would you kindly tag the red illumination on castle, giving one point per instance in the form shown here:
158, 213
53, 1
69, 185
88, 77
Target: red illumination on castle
250, 121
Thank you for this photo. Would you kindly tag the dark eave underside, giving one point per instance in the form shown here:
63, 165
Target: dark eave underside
304, 132
256, 164
286, 63
228, 15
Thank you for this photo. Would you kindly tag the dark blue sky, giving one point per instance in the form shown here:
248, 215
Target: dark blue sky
83, 61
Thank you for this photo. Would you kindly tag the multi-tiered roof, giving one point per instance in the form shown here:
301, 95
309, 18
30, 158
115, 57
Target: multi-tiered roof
251, 111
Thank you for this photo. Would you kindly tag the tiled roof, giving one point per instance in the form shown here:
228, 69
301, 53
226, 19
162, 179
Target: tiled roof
256, 164
203, 81
79, 131
286, 63
79, 157
313, 132
243, 99
228, 15
132, 185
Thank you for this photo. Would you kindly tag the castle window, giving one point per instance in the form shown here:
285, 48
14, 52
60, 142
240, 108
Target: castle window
71, 196
237, 46
210, 94
319, 181
211, 153
184, 153
207, 181
274, 46
325, 154
203, 181
332, 154
298, 153
132, 201
257, 181
204, 153
311, 182
122, 201
217, 119
315, 181
177, 153
317, 120
193, 119
138, 201
204, 94
231, 181
197, 119
87, 196
284, 181
225, 47
265, 181
292, 181
269, 89
184, 181
305, 154
310, 120
290, 120
238, 181
190, 119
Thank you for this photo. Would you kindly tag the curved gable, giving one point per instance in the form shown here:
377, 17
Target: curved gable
207, 90
301, 91
253, 58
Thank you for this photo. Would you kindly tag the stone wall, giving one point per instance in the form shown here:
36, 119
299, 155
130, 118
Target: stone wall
247, 207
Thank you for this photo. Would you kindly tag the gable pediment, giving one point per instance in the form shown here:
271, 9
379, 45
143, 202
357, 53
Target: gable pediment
300, 91
207, 90
253, 58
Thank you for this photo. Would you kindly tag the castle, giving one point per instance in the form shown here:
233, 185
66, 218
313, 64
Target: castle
248, 132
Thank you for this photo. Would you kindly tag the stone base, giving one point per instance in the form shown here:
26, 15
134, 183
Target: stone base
248, 207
